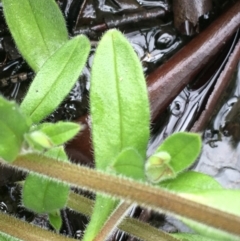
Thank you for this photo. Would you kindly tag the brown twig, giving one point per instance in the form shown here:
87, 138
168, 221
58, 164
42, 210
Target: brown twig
220, 86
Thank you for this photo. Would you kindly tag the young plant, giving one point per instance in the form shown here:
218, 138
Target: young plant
119, 136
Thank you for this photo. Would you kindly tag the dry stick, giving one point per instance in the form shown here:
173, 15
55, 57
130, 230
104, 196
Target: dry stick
167, 81
187, 13
220, 86
119, 21
129, 190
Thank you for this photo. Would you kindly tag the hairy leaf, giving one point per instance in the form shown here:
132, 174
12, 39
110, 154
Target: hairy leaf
55, 79
118, 100
60, 132
6, 237
43, 195
225, 200
183, 148
37, 27
55, 220
119, 110
129, 163
191, 181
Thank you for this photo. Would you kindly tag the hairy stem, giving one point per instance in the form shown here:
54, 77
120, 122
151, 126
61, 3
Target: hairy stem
112, 222
131, 191
143, 230
27, 232
80, 204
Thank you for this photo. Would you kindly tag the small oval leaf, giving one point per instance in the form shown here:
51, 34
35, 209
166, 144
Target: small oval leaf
43, 195
191, 181
38, 28
183, 147
55, 79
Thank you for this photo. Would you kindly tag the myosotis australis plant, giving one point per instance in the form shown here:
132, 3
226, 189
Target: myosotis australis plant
119, 136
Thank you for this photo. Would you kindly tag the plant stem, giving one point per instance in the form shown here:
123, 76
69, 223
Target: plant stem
80, 204
143, 230
129, 225
27, 232
112, 222
129, 190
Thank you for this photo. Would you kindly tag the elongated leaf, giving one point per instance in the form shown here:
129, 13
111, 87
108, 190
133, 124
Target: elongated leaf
225, 200
55, 79
119, 110
6, 237
118, 100
37, 27
190, 182
60, 132
183, 148
43, 195
13, 126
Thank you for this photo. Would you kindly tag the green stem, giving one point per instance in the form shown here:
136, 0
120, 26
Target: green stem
143, 230
113, 221
80, 204
124, 188
27, 232
129, 225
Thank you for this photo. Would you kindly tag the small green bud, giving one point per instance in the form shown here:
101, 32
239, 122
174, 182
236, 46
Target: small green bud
157, 167
38, 140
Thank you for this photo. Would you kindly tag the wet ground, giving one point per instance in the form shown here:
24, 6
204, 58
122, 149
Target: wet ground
154, 40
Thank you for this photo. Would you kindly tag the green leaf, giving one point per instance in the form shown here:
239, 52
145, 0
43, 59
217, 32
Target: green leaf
55, 220
37, 27
6, 237
191, 181
60, 132
43, 195
119, 111
55, 79
183, 148
57, 153
13, 125
225, 200
118, 100
130, 164
209, 233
